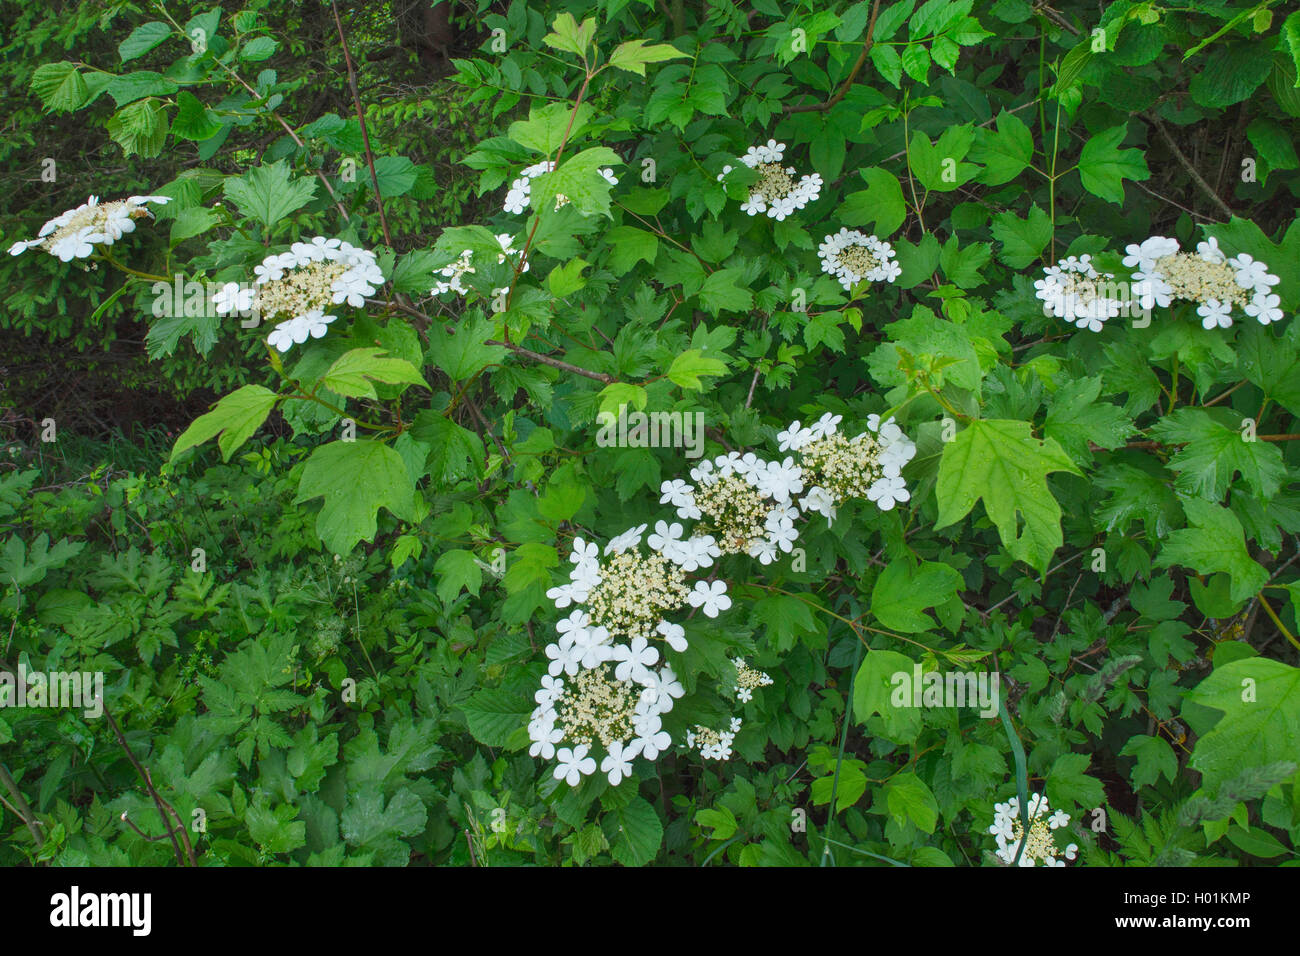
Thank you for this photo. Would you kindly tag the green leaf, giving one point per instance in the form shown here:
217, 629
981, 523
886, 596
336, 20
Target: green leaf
873, 689
720, 293
352, 373
688, 366
1004, 153
881, 204
1215, 451
236, 417
908, 798
1260, 700
498, 718
1103, 166
579, 179
568, 35
193, 121
788, 618
1214, 543
634, 833
356, 479
1077, 417
1023, 240
543, 131
463, 352
902, 593
1067, 782
721, 819
567, 278
60, 86
136, 86
1257, 842
962, 264
143, 39
269, 193
1230, 73
1002, 463
140, 128
633, 55
258, 48
628, 246
1155, 758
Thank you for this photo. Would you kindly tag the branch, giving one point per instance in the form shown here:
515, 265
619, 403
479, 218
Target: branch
22, 808
361, 118
853, 74
1187, 165
163, 806
554, 363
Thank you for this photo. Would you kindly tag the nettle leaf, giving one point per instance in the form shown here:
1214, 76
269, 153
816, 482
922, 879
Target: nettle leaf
1271, 363
1214, 543
1103, 166
351, 375
193, 121
356, 479
902, 593
235, 417
1217, 449
1260, 700
499, 717
269, 193
1068, 783
1002, 463
60, 86
633, 55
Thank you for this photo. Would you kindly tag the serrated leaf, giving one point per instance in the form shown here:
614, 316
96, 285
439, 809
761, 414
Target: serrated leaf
236, 416
902, 593
1103, 166
352, 373
355, 479
269, 193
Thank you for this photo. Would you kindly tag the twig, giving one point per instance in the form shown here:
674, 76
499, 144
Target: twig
1187, 165
853, 74
361, 118
553, 362
163, 806
23, 808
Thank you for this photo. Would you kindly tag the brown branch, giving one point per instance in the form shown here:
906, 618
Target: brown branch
361, 118
554, 363
22, 808
1187, 164
163, 806
853, 74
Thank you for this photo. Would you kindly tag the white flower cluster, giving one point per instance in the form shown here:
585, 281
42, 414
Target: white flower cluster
838, 468
1074, 290
302, 283
1208, 277
742, 504
520, 192
607, 682
1041, 844
776, 193
713, 744
852, 256
75, 233
462, 266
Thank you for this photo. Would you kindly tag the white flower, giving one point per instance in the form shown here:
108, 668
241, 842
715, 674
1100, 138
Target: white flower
544, 742
634, 660
573, 764
650, 739
232, 297
628, 539
784, 535
1253, 274
1210, 251
676, 492
1265, 308
609, 176
1144, 256
77, 245
564, 656
284, 335
764, 549
1214, 313
886, 492
665, 534
592, 646
782, 480
710, 597
584, 552
852, 256
574, 624
550, 691
673, 634
820, 500
617, 763
825, 425
565, 594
